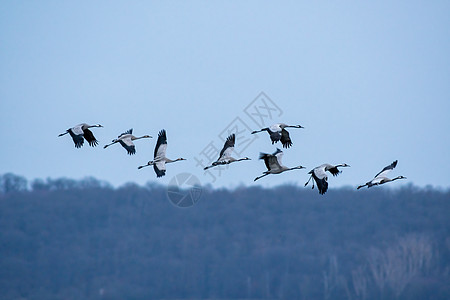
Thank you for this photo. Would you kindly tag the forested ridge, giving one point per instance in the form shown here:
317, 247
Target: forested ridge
68, 239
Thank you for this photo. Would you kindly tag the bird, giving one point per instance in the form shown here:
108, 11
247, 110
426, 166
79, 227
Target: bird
126, 140
273, 164
278, 132
381, 178
81, 131
159, 158
225, 157
319, 174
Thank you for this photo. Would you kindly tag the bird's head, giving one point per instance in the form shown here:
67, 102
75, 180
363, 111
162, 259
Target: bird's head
147, 136
98, 125
181, 158
345, 165
300, 167
246, 158
401, 177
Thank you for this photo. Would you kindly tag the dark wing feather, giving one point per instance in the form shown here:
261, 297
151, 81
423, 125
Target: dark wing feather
77, 138
390, 167
285, 139
159, 173
266, 158
228, 143
274, 136
130, 149
162, 139
334, 171
129, 131
89, 136
322, 184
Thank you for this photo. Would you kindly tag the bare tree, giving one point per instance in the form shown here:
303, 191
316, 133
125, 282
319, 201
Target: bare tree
396, 266
330, 277
360, 282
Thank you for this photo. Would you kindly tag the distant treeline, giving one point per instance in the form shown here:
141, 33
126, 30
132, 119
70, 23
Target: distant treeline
69, 239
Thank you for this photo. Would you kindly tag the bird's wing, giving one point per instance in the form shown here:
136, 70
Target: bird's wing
333, 170
77, 138
321, 182
129, 131
161, 145
228, 147
127, 143
274, 136
319, 172
265, 156
279, 156
285, 139
89, 136
160, 168
78, 129
386, 170
274, 162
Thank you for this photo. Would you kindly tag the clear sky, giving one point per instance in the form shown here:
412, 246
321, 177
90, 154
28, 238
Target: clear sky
370, 82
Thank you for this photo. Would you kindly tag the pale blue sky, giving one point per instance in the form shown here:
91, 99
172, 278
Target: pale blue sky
369, 81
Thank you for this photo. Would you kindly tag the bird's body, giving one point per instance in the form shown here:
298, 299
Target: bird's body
126, 140
225, 157
381, 178
159, 157
319, 174
277, 132
274, 164
81, 132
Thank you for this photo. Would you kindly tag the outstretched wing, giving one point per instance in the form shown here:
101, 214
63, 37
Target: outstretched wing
285, 139
128, 145
320, 177
129, 131
161, 145
228, 147
77, 136
160, 168
279, 156
265, 156
322, 183
274, 136
89, 136
333, 170
386, 170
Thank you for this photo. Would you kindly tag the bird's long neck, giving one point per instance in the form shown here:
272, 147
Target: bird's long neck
295, 168
140, 137
168, 160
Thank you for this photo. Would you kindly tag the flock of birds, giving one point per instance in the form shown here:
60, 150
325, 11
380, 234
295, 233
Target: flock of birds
277, 133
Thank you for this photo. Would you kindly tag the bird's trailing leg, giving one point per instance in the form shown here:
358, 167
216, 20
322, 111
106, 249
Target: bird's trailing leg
113, 142
63, 133
259, 177
256, 131
310, 177
150, 163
